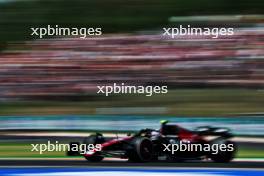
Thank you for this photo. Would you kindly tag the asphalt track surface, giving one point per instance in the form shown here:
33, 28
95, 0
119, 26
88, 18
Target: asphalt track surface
118, 164
75, 162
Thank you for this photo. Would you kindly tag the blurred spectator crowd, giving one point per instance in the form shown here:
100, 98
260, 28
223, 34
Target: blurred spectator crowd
68, 67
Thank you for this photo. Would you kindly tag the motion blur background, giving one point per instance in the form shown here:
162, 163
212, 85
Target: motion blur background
48, 87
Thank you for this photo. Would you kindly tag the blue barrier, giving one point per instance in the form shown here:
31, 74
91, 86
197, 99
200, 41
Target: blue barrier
130, 172
239, 125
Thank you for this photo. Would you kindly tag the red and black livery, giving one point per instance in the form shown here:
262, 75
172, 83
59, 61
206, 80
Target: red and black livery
148, 144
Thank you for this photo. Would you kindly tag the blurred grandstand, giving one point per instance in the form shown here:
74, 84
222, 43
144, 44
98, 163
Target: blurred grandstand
65, 68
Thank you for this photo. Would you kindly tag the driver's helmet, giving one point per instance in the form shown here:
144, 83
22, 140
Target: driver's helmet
164, 122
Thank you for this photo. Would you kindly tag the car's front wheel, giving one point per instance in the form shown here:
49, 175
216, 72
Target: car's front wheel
142, 150
94, 139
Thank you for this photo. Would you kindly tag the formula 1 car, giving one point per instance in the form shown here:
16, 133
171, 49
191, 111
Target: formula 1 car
164, 144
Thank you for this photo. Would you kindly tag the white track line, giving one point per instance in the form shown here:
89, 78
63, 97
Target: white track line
118, 159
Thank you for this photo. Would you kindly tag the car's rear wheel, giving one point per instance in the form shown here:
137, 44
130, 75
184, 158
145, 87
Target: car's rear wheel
224, 156
94, 139
142, 150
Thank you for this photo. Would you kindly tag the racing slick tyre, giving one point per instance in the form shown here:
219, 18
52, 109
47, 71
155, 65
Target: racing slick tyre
223, 156
94, 139
142, 150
